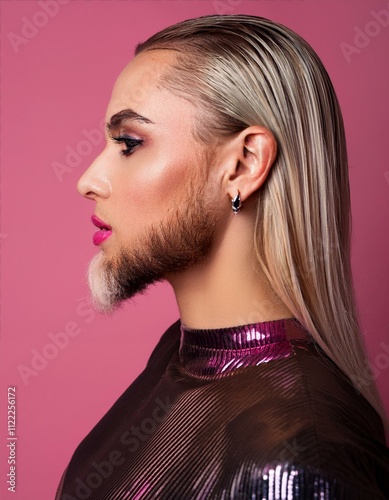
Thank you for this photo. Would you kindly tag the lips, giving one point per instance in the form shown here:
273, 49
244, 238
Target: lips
105, 230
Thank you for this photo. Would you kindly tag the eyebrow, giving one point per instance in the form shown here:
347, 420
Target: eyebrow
124, 115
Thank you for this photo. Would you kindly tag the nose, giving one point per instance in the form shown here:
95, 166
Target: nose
94, 183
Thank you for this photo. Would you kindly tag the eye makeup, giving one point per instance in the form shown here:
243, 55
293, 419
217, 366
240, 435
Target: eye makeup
130, 142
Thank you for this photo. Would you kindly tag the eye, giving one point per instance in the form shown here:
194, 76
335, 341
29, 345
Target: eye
130, 143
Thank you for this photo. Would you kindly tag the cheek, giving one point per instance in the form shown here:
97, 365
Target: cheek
149, 188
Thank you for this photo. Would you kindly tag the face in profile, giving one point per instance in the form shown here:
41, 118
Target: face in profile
155, 208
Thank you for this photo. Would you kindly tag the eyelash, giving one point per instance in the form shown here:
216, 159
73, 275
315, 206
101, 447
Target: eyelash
130, 142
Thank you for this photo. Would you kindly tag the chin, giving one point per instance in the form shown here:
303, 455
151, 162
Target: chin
101, 285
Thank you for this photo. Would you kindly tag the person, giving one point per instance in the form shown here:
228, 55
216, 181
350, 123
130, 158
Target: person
225, 174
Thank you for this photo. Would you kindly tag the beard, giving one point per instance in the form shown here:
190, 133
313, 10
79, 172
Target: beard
181, 240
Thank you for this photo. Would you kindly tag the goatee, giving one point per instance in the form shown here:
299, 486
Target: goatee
180, 241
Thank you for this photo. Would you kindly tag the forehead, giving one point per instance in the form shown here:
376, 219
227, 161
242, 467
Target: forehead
138, 88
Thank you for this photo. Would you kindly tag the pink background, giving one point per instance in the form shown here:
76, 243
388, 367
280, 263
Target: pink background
57, 86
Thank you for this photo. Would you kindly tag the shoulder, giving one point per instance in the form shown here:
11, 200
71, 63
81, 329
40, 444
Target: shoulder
154, 369
167, 345
124, 408
279, 458
294, 481
307, 429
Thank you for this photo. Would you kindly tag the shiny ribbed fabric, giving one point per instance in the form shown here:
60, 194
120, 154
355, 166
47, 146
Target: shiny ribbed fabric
249, 412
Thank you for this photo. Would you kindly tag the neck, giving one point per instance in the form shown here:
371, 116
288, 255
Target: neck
228, 288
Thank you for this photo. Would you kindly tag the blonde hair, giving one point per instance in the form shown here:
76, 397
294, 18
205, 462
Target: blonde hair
244, 70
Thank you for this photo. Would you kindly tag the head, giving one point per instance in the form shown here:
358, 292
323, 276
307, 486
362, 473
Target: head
208, 85
164, 191
150, 186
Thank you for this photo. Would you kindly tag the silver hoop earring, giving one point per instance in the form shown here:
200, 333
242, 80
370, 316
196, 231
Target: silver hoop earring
236, 204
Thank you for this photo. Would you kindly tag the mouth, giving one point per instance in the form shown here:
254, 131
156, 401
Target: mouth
105, 230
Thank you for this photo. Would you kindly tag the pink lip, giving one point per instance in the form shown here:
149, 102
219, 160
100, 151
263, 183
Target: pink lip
104, 233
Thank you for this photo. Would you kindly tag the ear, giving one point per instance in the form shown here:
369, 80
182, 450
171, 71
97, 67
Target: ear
253, 153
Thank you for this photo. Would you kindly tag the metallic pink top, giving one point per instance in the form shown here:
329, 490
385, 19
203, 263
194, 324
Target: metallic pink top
218, 351
253, 411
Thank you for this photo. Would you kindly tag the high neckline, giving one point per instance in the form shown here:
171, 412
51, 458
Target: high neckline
217, 351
